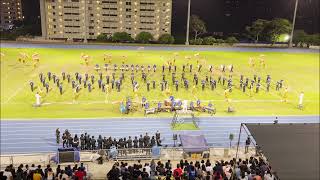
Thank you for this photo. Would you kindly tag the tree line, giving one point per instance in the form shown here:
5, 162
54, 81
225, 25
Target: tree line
143, 37
261, 30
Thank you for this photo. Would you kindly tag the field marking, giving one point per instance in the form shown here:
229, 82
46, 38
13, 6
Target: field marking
18, 90
15, 93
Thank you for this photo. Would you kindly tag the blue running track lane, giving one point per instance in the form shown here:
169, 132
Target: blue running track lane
31, 136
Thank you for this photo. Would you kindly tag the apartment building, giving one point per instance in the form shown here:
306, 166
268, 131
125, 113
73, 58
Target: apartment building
11, 10
86, 19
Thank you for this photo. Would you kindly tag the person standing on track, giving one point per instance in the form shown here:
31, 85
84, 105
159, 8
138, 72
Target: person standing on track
248, 142
58, 135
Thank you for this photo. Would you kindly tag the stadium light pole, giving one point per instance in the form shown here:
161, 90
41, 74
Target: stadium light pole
188, 23
293, 22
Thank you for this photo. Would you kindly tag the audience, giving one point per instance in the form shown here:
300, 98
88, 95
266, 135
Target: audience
33, 173
248, 169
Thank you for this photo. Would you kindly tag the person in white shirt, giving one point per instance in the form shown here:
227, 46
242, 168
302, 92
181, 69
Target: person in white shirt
268, 176
147, 167
209, 168
63, 175
8, 174
38, 99
243, 176
301, 100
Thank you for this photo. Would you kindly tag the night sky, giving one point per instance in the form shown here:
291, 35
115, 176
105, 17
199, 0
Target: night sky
227, 16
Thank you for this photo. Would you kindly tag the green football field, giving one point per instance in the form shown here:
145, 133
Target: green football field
300, 72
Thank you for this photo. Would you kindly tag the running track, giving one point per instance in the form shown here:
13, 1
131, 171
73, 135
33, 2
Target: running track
155, 47
30, 136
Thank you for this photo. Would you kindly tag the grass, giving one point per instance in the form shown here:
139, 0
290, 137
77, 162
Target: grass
185, 126
299, 71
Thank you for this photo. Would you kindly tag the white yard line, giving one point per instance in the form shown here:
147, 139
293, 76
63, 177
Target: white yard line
15, 93
18, 90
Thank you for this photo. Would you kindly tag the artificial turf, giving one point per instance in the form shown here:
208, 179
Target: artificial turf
300, 72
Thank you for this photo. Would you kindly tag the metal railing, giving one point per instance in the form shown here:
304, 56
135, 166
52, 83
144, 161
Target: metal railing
129, 154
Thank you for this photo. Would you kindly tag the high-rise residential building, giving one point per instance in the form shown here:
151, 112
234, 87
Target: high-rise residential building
11, 11
86, 19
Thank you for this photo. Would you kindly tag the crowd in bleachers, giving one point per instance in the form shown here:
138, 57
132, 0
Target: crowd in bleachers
26, 172
248, 169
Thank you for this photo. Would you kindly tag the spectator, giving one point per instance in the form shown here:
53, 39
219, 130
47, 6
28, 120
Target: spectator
68, 170
268, 176
2, 177
228, 173
113, 174
19, 173
148, 169
144, 174
152, 169
46, 171
192, 173
37, 175
63, 175
58, 170
75, 168
39, 170
50, 174
177, 173
209, 168
168, 165
12, 170
7, 173
33, 167
79, 174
